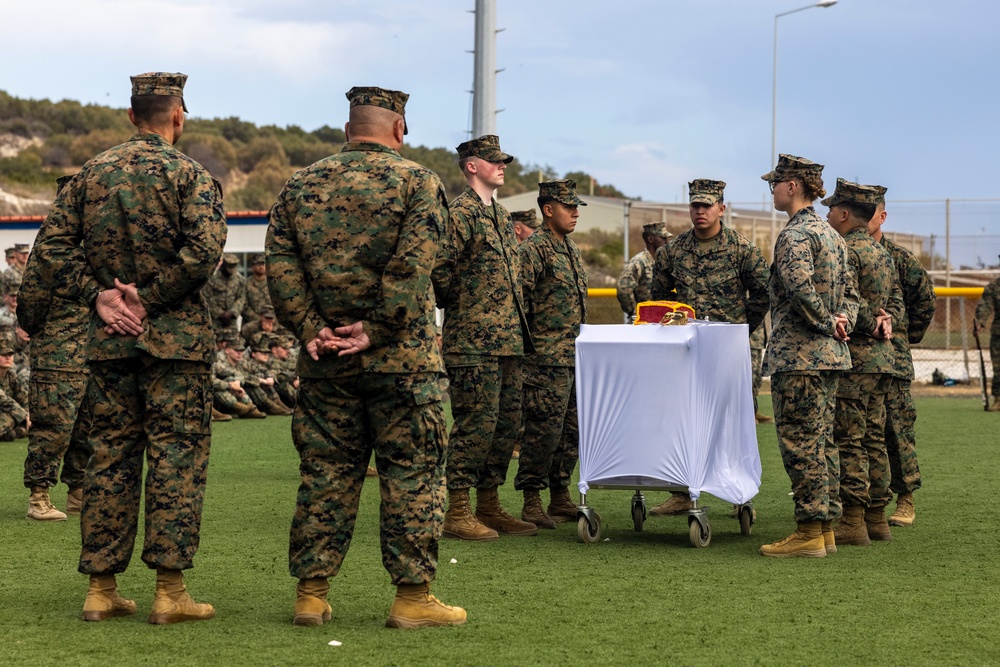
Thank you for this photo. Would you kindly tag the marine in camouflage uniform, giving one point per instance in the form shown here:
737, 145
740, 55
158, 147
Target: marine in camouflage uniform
282, 366
265, 322
859, 418
989, 305
635, 284
350, 248
146, 215
716, 271
919, 302
13, 395
11, 286
256, 290
554, 282
258, 380
15, 272
525, 223
814, 305
485, 334
57, 386
226, 294
758, 343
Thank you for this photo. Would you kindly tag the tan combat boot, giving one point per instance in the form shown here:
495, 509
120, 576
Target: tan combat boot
677, 503
906, 512
829, 539
276, 409
995, 407
220, 416
492, 515
533, 512
172, 603
103, 601
415, 607
40, 508
805, 542
74, 502
851, 530
459, 522
561, 507
311, 607
876, 525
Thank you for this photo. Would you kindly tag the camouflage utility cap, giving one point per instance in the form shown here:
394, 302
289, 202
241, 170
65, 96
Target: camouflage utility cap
22, 247
10, 252
262, 342
854, 192
170, 84
657, 229
267, 312
563, 191
230, 259
372, 96
6, 344
527, 218
880, 191
486, 147
11, 284
233, 341
791, 166
705, 191
256, 259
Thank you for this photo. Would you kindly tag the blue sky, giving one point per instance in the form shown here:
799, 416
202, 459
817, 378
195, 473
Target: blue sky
643, 94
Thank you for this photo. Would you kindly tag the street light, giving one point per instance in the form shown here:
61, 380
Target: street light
774, 105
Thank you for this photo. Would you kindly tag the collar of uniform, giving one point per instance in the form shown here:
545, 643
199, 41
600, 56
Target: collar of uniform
472, 194
718, 242
151, 137
367, 146
556, 245
803, 213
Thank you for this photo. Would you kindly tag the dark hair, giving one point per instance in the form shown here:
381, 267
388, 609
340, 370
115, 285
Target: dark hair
154, 109
542, 201
859, 210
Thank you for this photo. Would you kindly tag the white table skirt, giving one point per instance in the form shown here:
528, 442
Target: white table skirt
667, 406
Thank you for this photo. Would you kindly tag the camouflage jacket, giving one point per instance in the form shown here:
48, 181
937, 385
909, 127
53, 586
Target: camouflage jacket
13, 389
147, 214
990, 304
724, 280
919, 302
225, 294
257, 298
254, 327
483, 310
635, 285
354, 237
57, 326
554, 283
224, 372
878, 288
282, 370
252, 370
811, 282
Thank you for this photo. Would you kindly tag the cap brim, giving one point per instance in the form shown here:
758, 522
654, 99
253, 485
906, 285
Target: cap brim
829, 201
703, 199
769, 176
571, 201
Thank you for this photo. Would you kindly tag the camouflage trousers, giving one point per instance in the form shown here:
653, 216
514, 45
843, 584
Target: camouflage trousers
900, 438
550, 448
486, 405
995, 359
756, 359
262, 395
159, 409
226, 401
859, 431
58, 429
336, 426
286, 392
803, 415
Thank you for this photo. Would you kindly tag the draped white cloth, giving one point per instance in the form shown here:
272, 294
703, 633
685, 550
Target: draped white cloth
667, 406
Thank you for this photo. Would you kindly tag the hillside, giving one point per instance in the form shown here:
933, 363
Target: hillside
41, 140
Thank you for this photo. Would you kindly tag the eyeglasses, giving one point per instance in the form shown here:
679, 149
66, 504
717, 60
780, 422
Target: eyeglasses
771, 185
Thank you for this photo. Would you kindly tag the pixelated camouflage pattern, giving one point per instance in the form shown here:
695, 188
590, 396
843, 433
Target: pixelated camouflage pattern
146, 214
527, 218
846, 191
554, 284
878, 288
170, 84
657, 229
550, 447
859, 431
483, 308
223, 373
54, 399
257, 299
337, 425
158, 412
810, 283
393, 100
11, 277
13, 402
355, 237
758, 341
225, 296
254, 371
804, 404
563, 191
705, 191
253, 328
901, 437
636, 282
792, 166
284, 374
989, 305
57, 326
724, 280
486, 407
919, 302
486, 147
8, 329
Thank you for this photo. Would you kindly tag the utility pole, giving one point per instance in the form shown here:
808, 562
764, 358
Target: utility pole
484, 80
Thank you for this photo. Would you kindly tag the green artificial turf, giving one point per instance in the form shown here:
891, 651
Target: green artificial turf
928, 598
